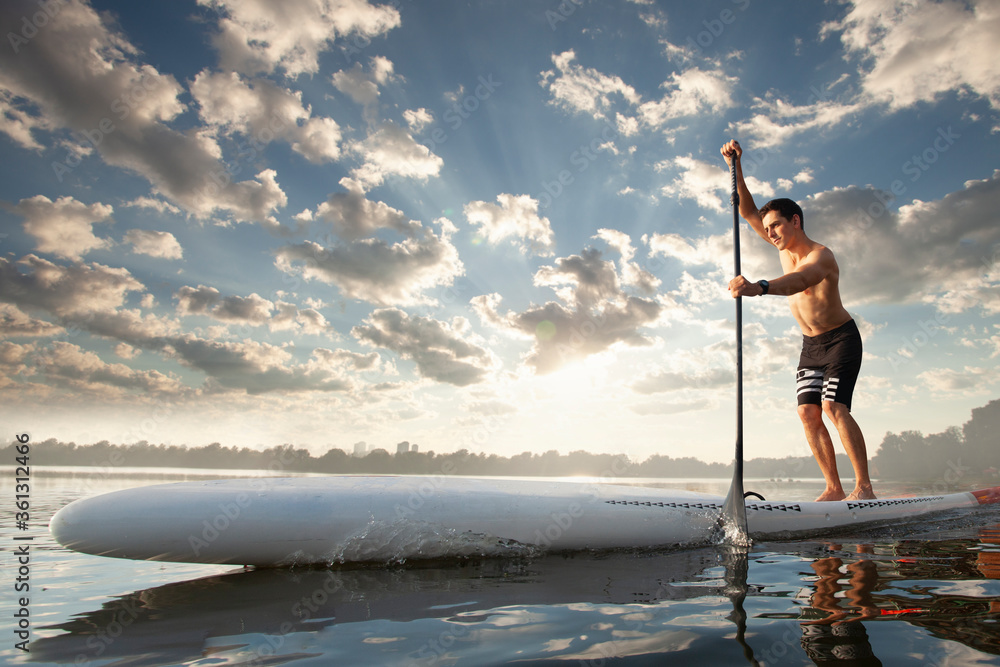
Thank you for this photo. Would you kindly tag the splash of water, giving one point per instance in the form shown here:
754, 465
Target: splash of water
399, 541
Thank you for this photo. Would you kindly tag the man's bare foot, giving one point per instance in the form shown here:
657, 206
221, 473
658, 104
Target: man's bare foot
831, 494
862, 493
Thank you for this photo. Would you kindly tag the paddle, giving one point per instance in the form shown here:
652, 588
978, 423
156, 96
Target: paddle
734, 512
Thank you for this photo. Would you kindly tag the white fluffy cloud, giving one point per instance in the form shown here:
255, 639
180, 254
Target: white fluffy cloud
90, 298
595, 315
515, 217
906, 51
603, 96
15, 322
78, 290
362, 85
690, 92
705, 183
263, 111
64, 227
83, 77
392, 151
373, 269
154, 243
581, 89
252, 310
917, 50
632, 275
257, 36
942, 251
377, 271
354, 216
441, 351
84, 371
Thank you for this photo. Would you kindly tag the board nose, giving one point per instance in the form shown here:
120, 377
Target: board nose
73, 526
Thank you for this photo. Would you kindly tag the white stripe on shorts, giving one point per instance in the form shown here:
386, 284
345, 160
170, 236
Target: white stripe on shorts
809, 381
830, 389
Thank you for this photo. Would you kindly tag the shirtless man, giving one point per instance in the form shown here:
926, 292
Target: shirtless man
831, 343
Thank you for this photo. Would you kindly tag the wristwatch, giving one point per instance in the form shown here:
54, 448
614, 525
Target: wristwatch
764, 286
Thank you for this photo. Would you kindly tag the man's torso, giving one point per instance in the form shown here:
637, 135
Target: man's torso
817, 309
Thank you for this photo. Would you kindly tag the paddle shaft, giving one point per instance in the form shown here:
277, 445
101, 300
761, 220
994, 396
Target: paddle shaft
735, 202
734, 511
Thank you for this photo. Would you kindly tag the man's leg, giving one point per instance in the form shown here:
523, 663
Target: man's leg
854, 444
822, 448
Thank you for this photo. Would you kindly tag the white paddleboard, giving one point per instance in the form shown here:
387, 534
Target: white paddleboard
322, 520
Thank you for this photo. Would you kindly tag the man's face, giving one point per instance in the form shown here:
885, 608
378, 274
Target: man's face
779, 229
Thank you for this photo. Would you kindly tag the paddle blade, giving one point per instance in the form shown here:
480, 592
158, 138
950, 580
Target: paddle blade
733, 521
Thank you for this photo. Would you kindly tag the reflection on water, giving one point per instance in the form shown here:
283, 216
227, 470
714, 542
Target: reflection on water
927, 595
840, 635
709, 605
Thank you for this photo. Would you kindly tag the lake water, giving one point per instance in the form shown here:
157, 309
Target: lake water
924, 594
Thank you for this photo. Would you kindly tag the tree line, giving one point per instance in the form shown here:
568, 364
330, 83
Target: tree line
967, 452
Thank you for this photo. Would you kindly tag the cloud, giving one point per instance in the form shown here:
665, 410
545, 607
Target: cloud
362, 85
154, 244
63, 227
354, 216
917, 50
202, 300
940, 252
376, 271
263, 111
71, 366
907, 52
632, 275
969, 380
83, 77
714, 250
418, 119
90, 298
75, 291
16, 323
253, 310
440, 350
18, 124
13, 357
585, 90
778, 122
260, 37
515, 217
392, 151
704, 182
257, 367
665, 380
690, 92
595, 314
153, 203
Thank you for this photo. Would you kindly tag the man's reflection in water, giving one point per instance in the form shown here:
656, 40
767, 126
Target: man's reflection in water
840, 638
988, 561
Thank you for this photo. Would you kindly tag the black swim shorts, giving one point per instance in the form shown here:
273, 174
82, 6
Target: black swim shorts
829, 366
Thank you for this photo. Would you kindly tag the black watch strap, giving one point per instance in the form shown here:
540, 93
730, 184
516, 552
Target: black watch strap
764, 286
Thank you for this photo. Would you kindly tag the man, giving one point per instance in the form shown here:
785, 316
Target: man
831, 342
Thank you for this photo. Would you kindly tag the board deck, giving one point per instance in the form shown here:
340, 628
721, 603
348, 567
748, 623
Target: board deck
320, 520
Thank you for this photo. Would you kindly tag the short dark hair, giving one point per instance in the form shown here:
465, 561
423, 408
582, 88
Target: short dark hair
786, 208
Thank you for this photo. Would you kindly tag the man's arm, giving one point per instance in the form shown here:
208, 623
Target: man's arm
748, 210
808, 274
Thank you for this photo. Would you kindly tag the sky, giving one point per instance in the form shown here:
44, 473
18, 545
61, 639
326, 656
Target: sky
492, 225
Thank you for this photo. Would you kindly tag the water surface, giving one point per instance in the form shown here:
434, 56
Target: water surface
921, 594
